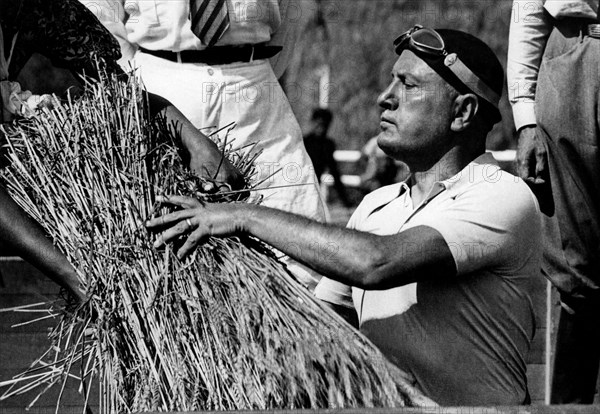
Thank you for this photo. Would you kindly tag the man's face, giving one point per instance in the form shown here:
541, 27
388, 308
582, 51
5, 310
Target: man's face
417, 113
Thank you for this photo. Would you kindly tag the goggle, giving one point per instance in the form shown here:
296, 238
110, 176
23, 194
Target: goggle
429, 42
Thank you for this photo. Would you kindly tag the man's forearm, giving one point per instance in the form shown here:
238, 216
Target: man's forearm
332, 251
352, 257
203, 155
27, 239
355, 258
191, 139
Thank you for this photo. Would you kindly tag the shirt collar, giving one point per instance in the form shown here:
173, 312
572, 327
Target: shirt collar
471, 173
458, 181
453, 185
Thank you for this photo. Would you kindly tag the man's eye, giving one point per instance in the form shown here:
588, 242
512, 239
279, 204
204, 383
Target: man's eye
407, 84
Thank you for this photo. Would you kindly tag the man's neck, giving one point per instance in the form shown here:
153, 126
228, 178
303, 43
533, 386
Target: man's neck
449, 165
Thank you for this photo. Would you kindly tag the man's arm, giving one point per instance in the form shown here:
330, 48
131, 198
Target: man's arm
355, 258
205, 159
28, 240
529, 31
286, 35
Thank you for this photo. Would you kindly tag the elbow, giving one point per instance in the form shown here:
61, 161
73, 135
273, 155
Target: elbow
369, 272
375, 280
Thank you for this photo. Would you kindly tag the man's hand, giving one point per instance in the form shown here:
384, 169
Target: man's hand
532, 159
206, 163
205, 159
196, 219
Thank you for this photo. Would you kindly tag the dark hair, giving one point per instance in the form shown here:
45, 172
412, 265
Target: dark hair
323, 114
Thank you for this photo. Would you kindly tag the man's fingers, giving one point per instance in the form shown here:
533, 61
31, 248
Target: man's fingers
526, 153
213, 187
540, 164
535, 181
539, 181
173, 232
209, 187
197, 237
168, 219
525, 165
181, 201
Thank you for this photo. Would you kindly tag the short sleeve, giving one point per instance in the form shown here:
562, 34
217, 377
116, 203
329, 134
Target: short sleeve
337, 293
491, 225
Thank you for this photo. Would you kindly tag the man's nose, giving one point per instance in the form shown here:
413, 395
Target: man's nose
388, 99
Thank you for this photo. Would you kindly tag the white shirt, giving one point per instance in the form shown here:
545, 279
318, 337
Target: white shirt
464, 338
165, 25
529, 31
476, 211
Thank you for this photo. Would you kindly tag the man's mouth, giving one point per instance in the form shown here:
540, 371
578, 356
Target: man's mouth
385, 121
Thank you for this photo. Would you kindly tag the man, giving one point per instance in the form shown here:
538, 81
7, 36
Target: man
321, 148
211, 59
553, 61
440, 264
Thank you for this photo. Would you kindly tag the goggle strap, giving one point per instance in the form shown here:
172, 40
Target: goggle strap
472, 82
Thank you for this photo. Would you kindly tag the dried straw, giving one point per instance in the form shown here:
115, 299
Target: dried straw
227, 329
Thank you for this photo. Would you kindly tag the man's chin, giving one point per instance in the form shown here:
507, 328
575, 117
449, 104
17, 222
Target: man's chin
384, 143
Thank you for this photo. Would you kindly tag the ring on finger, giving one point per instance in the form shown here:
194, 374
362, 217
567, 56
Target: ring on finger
189, 223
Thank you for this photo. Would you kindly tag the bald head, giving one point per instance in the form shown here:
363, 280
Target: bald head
424, 117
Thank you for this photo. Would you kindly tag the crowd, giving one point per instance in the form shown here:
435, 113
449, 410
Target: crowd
435, 269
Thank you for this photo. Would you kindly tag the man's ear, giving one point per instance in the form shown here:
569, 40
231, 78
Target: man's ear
465, 109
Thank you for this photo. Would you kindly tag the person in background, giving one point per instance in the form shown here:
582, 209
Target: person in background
219, 62
68, 39
554, 85
435, 269
321, 150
